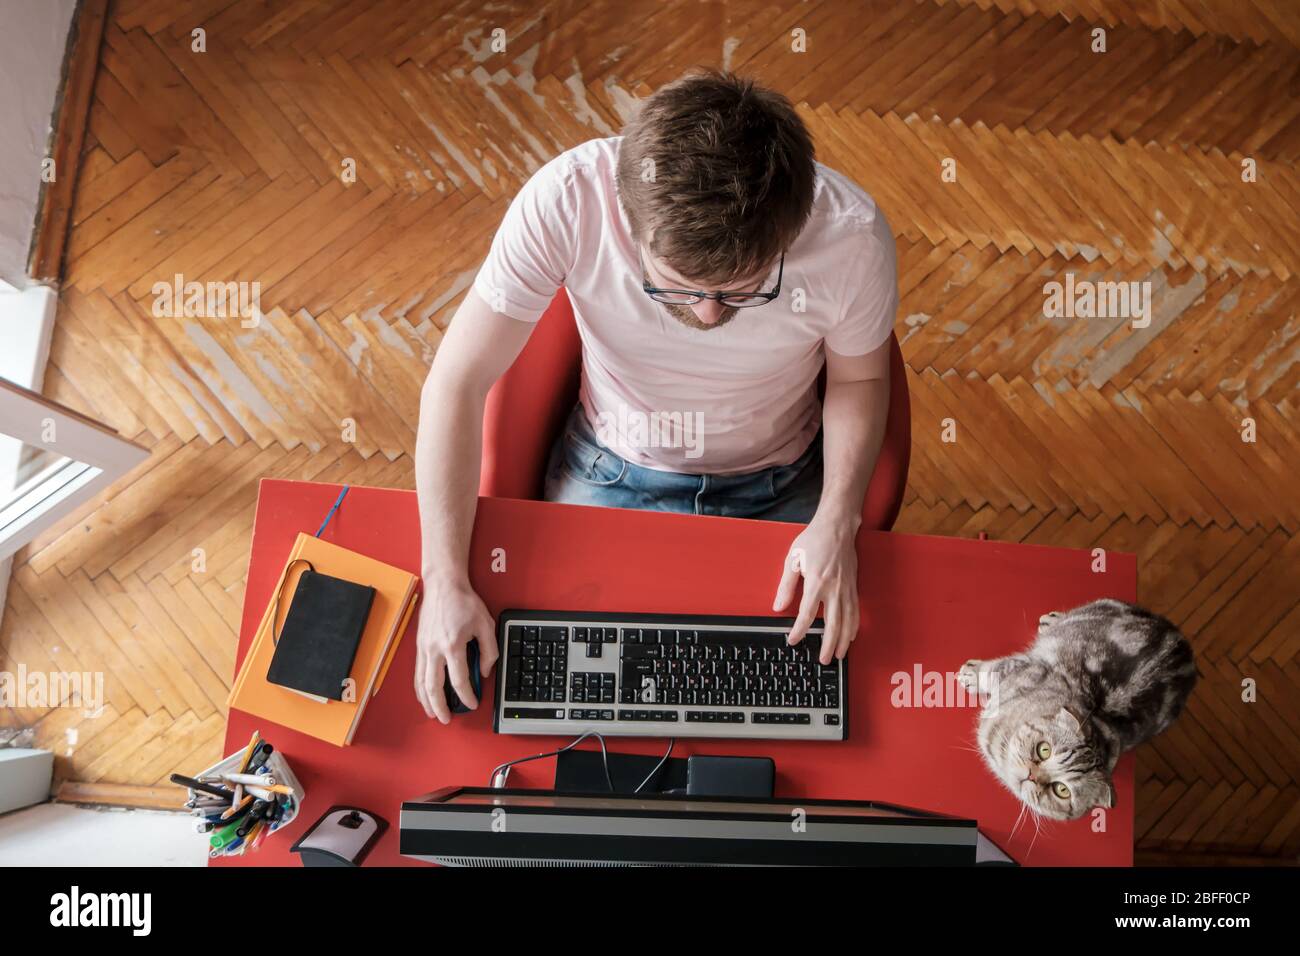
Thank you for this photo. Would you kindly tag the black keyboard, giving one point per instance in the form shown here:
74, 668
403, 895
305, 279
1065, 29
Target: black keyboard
661, 675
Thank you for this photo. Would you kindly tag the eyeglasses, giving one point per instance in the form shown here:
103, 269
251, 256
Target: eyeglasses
735, 300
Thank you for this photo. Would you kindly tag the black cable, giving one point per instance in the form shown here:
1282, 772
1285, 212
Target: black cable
659, 766
604, 754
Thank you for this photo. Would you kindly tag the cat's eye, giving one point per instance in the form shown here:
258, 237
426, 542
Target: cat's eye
1043, 750
1061, 790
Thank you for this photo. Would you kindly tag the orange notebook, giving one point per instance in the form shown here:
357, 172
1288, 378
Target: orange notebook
332, 721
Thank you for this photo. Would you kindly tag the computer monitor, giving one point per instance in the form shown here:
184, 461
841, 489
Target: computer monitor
474, 826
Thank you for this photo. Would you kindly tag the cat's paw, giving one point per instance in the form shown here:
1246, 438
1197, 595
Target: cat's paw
969, 675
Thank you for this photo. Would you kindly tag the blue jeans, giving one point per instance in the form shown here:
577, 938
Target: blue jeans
581, 471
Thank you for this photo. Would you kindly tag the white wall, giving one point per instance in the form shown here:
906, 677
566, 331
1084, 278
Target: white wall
33, 39
56, 834
33, 43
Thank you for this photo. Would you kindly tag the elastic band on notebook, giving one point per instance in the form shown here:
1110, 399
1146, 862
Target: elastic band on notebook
337, 502
275, 614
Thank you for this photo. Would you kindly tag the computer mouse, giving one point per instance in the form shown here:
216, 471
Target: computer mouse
475, 680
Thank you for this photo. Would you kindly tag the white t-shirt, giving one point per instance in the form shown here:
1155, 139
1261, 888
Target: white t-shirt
662, 395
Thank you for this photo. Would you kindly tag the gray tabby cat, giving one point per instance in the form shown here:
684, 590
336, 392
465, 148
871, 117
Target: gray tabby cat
1097, 681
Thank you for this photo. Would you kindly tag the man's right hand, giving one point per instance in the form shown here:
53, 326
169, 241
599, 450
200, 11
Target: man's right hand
452, 616
479, 346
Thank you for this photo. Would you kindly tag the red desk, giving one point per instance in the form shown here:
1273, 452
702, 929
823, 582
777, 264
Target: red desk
927, 602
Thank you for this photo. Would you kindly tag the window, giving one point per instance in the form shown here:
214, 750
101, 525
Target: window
57, 459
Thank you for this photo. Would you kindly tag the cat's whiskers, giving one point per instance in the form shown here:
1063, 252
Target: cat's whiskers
1019, 818
1037, 829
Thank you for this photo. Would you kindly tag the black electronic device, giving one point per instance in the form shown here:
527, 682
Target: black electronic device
475, 679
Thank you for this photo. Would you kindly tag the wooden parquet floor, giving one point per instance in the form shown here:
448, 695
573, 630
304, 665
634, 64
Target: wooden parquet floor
1125, 165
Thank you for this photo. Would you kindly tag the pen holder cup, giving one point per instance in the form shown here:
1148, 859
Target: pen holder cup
280, 771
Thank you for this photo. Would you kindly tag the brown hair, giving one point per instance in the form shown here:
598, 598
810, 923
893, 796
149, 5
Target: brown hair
716, 176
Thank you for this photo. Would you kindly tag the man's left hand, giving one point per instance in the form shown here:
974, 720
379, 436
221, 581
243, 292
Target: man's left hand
825, 558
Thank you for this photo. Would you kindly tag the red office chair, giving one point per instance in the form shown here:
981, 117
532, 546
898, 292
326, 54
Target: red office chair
529, 404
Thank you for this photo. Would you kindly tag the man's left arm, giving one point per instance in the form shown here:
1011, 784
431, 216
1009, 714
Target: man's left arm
824, 555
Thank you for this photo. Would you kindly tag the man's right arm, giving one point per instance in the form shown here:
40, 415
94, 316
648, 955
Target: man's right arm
480, 345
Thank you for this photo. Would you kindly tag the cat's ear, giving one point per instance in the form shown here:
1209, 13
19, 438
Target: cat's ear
1108, 798
1069, 719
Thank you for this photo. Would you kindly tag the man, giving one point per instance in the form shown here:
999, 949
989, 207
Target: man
714, 269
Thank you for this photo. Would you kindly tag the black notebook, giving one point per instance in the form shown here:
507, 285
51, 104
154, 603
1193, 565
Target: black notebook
322, 629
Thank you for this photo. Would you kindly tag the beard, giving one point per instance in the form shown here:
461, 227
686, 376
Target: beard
687, 317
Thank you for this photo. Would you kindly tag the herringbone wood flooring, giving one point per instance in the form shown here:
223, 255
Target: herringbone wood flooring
225, 165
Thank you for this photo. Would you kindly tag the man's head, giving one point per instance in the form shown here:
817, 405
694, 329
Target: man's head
716, 178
